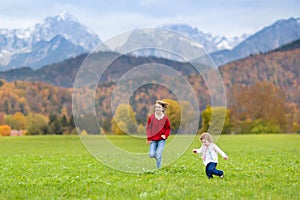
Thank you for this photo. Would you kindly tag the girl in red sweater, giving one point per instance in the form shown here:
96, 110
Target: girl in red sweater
158, 130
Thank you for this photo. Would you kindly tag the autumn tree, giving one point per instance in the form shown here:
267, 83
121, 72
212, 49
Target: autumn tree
124, 121
2, 118
260, 103
181, 114
5, 130
174, 114
16, 121
36, 124
293, 117
215, 119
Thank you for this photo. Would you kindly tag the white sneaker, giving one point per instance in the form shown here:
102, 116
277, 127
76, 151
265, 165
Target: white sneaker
222, 175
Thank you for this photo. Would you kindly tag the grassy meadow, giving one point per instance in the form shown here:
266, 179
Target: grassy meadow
60, 167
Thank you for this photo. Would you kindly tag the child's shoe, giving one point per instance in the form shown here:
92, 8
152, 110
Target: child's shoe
222, 176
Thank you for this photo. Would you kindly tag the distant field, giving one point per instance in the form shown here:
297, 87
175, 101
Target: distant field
59, 167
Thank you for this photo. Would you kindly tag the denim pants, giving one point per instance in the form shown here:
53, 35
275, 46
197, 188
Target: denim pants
211, 170
156, 149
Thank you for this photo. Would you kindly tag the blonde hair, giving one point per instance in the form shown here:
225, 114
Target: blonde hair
159, 102
162, 103
206, 136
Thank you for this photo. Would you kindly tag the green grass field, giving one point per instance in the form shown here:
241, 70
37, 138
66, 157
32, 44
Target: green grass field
59, 167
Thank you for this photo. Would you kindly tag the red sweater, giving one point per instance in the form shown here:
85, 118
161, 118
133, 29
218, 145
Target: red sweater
156, 128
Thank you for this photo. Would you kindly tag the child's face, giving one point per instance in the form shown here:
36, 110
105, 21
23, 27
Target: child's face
205, 142
158, 108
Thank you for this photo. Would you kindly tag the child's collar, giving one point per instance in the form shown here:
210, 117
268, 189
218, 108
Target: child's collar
159, 117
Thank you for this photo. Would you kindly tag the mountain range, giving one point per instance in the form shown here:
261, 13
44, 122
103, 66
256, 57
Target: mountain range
61, 37
279, 67
271, 37
210, 42
222, 50
56, 39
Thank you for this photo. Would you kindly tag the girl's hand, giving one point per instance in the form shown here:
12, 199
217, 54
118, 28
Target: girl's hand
194, 150
163, 137
148, 142
225, 158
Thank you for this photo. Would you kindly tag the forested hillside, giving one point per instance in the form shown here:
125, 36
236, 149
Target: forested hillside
256, 87
34, 97
282, 68
63, 74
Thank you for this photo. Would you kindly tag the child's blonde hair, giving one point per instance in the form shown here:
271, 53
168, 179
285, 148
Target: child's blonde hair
206, 136
162, 103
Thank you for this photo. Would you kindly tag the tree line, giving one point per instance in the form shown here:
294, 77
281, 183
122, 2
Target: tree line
261, 107
36, 124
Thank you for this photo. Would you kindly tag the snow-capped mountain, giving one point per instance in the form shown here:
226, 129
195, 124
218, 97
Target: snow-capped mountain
47, 52
210, 42
67, 26
271, 37
56, 39
221, 49
63, 36
159, 42
175, 42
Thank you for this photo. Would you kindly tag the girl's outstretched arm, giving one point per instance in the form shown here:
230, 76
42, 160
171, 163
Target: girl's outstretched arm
221, 152
197, 150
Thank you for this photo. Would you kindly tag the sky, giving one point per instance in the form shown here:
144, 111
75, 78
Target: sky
109, 18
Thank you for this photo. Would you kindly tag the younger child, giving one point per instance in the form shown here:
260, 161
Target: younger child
209, 153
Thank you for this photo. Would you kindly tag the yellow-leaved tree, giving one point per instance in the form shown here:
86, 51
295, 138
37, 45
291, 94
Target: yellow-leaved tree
17, 121
124, 121
181, 114
216, 120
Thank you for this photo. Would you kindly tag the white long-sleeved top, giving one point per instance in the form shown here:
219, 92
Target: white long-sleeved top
210, 153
